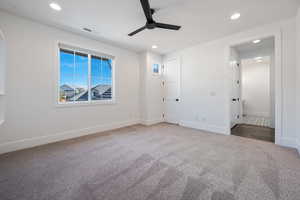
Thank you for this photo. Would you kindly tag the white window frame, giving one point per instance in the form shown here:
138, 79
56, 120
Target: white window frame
60, 45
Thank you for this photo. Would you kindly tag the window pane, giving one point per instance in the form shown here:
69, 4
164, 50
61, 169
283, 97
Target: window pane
155, 68
101, 78
81, 77
106, 70
67, 91
96, 67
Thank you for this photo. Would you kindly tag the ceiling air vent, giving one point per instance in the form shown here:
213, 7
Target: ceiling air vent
87, 30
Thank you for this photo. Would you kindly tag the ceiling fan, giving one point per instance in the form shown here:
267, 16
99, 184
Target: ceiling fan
151, 24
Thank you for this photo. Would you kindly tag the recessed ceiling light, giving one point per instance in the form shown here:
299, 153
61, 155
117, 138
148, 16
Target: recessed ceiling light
55, 6
258, 59
235, 16
256, 41
154, 47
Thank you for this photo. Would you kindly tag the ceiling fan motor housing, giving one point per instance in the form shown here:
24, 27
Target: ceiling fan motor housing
151, 25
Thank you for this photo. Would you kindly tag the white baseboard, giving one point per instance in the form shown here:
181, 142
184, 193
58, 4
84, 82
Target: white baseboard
288, 142
205, 127
151, 122
37, 141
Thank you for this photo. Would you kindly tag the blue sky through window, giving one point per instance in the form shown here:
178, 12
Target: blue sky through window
74, 70
101, 72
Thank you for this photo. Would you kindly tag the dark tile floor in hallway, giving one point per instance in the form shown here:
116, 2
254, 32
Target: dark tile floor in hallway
254, 132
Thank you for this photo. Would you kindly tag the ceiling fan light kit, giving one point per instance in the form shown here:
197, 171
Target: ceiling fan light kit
151, 24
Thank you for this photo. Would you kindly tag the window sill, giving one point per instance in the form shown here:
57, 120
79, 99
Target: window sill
79, 104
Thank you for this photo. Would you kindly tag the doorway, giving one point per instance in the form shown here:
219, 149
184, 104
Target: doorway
171, 83
252, 89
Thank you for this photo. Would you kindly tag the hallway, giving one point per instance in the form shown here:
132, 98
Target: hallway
257, 121
254, 132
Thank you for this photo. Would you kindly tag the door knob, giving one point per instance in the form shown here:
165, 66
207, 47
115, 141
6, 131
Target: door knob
176, 99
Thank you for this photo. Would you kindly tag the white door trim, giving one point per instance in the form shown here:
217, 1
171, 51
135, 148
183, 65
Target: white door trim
277, 34
237, 70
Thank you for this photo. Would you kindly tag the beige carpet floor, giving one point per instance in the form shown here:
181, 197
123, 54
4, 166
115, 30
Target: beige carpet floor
146, 163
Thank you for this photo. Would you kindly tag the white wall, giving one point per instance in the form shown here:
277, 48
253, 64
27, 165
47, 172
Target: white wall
31, 116
202, 87
263, 52
204, 81
298, 78
256, 95
143, 58
2, 64
151, 89
2, 77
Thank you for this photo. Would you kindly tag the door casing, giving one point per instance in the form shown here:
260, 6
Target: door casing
277, 34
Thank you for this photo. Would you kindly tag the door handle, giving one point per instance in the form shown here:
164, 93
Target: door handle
177, 100
238, 99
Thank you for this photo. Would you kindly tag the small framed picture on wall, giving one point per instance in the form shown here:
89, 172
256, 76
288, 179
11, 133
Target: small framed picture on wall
155, 69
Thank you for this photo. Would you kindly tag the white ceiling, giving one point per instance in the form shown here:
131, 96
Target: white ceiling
112, 20
263, 60
266, 43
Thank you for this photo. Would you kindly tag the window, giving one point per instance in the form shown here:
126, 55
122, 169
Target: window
155, 69
84, 76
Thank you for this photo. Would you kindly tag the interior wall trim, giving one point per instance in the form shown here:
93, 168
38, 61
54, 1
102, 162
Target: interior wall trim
289, 142
151, 122
38, 141
205, 127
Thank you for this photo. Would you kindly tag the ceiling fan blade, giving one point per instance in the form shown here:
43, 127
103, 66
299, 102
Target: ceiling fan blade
137, 31
147, 10
167, 26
